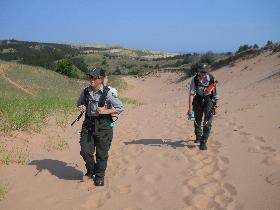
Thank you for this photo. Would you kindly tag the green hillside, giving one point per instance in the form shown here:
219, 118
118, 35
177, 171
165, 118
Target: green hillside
74, 60
29, 94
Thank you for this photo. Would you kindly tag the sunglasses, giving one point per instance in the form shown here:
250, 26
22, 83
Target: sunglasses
94, 78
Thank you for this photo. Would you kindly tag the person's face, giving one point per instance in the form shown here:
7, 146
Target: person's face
202, 75
95, 81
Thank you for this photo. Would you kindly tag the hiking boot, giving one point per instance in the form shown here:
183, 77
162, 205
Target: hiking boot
99, 181
203, 145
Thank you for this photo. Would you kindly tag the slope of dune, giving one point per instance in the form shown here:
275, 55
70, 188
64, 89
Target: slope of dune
154, 163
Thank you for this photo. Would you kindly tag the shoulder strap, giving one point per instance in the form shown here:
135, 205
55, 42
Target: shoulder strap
86, 96
196, 80
102, 99
212, 79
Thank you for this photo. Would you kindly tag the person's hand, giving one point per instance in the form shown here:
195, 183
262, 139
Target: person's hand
189, 111
82, 108
101, 110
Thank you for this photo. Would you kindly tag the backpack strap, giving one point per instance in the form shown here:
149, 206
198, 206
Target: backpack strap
211, 80
102, 99
86, 96
196, 80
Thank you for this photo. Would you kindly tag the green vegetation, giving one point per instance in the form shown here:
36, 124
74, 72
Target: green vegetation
22, 113
66, 67
117, 81
52, 93
131, 102
3, 190
35, 53
243, 48
74, 61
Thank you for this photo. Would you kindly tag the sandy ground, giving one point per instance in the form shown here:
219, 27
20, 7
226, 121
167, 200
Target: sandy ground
154, 163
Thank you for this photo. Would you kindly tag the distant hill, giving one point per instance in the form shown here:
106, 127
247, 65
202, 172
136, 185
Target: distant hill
75, 60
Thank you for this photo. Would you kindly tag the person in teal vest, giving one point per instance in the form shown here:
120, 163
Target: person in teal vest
98, 103
203, 102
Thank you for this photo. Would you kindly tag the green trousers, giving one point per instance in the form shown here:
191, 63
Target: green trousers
98, 144
203, 106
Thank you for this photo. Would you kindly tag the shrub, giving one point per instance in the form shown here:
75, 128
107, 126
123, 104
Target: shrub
66, 67
243, 48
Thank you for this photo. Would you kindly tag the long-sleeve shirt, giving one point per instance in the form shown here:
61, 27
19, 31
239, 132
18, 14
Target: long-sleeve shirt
111, 101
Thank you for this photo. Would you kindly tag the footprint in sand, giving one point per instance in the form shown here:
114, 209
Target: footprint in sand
213, 189
125, 161
261, 149
235, 206
152, 195
124, 189
201, 201
259, 138
195, 182
97, 200
232, 124
223, 200
274, 179
273, 159
161, 165
208, 169
197, 166
151, 179
229, 135
132, 169
230, 188
86, 184
243, 133
219, 175
224, 160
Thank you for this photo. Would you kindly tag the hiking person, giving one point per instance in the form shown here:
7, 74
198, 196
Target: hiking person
106, 83
203, 102
98, 103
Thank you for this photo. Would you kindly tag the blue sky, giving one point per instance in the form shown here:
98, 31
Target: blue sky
177, 25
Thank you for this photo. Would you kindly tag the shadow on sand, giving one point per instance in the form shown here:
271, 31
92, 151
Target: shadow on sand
168, 142
58, 168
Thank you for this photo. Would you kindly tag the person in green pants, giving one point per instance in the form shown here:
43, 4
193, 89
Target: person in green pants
202, 103
98, 103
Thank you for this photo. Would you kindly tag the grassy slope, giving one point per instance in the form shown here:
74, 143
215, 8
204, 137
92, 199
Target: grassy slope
52, 92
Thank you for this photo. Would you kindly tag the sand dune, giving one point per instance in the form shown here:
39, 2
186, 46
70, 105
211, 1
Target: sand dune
154, 163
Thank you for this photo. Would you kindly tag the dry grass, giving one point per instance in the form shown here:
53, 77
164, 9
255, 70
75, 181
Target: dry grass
3, 190
11, 153
56, 144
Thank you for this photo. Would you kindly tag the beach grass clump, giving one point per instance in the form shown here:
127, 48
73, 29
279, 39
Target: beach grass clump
131, 102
